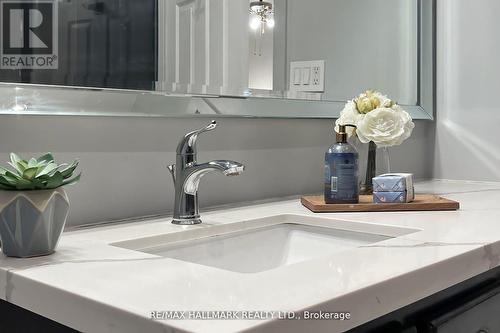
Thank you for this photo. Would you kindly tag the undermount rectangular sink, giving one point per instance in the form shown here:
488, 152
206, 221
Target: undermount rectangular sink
264, 244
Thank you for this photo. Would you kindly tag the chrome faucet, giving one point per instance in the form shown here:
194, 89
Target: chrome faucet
187, 173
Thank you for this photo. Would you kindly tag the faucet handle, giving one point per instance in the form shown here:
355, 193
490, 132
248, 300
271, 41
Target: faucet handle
188, 143
172, 169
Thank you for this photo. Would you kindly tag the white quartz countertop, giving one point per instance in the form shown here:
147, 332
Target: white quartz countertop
93, 286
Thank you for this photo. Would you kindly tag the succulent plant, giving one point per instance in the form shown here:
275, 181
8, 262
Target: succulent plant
41, 173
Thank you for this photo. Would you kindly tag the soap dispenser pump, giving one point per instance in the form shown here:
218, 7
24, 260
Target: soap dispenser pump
342, 171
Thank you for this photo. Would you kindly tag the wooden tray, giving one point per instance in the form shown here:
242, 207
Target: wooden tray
423, 202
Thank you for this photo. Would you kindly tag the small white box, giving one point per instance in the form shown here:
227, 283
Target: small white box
395, 182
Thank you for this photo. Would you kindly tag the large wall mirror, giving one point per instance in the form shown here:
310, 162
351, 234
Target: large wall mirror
269, 58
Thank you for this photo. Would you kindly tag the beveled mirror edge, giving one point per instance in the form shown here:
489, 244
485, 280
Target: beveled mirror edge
72, 101
427, 57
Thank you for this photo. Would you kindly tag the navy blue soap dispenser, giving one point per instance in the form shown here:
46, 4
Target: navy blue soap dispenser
342, 171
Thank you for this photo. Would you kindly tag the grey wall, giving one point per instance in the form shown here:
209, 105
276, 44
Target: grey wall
365, 43
468, 118
124, 159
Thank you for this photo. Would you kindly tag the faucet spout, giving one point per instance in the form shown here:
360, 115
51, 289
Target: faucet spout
196, 172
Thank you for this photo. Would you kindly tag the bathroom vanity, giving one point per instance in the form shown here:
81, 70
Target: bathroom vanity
386, 269
118, 104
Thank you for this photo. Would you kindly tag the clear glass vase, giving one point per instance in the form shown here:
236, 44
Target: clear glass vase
373, 161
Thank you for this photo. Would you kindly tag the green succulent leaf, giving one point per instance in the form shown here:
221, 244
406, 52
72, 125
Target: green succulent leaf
47, 170
3, 170
17, 163
37, 184
73, 180
47, 158
5, 181
22, 164
14, 158
15, 181
18, 167
30, 173
55, 181
25, 187
32, 163
12, 176
68, 172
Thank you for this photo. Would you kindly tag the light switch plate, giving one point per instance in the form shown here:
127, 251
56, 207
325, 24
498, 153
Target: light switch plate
307, 76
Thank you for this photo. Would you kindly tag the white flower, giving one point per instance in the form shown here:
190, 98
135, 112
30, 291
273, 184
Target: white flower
385, 126
349, 116
371, 100
385, 102
377, 119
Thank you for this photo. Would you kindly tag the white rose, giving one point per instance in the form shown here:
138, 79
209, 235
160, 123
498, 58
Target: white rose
408, 121
349, 116
385, 102
385, 126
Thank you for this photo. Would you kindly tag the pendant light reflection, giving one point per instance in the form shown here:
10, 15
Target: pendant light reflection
261, 17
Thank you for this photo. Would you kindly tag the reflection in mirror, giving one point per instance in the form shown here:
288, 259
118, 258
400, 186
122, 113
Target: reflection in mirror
316, 49
332, 50
91, 43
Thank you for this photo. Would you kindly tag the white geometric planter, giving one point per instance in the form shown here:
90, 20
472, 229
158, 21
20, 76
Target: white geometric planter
31, 222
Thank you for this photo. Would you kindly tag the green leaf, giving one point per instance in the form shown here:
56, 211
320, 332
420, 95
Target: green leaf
15, 182
72, 181
30, 173
3, 170
48, 170
14, 158
55, 181
37, 184
68, 172
5, 184
18, 163
13, 176
32, 163
5, 181
47, 158
22, 164
18, 167
25, 186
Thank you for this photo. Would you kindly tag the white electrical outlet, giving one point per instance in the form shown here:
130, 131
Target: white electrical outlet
307, 76
316, 75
